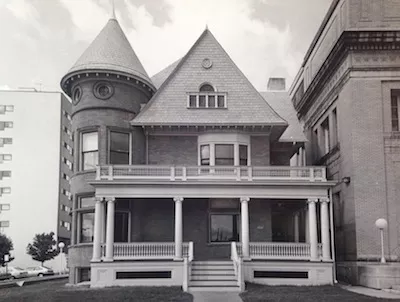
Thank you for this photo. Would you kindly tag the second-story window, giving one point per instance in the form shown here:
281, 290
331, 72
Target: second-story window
89, 151
224, 155
395, 96
205, 155
119, 148
243, 155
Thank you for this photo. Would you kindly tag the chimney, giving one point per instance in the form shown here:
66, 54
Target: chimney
277, 84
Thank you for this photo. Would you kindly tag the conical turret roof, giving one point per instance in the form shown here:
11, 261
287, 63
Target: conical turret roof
111, 51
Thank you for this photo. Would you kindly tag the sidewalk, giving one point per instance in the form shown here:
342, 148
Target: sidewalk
370, 292
216, 297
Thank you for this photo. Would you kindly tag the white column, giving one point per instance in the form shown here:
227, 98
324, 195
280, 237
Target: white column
103, 222
110, 230
236, 161
312, 219
326, 255
178, 227
306, 226
296, 227
97, 231
212, 154
244, 201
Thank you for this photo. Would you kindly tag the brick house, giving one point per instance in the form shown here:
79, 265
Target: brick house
185, 179
347, 97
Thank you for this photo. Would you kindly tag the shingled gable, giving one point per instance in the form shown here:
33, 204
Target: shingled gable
245, 106
110, 51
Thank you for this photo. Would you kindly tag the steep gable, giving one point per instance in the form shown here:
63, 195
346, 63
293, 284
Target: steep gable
245, 106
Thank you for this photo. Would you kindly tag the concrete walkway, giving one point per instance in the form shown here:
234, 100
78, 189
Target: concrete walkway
371, 292
216, 297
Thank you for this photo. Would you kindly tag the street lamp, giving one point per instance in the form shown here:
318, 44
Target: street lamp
61, 245
381, 224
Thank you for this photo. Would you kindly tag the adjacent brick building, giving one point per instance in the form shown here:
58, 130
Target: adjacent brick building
346, 95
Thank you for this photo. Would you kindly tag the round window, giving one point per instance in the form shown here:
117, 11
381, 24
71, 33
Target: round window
103, 90
76, 95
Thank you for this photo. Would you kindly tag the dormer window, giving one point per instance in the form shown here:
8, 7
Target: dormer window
207, 97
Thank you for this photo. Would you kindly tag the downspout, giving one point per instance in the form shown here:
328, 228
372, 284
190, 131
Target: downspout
332, 237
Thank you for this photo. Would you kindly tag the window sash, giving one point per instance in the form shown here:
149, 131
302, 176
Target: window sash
395, 112
120, 146
86, 227
224, 154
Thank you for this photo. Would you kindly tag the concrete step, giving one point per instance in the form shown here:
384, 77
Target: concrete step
214, 289
213, 283
212, 267
212, 272
213, 262
220, 277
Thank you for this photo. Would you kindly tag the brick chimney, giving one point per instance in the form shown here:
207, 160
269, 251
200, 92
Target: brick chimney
277, 84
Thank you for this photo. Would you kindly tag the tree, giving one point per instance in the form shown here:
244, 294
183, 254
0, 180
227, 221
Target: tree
43, 247
6, 246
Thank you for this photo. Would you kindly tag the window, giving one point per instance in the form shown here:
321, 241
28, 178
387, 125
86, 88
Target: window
68, 163
192, 101
395, 96
4, 224
202, 101
243, 155
69, 148
221, 101
205, 155
86, 230
66, 225
119, 148
4, 125
6, 108
5, 141
334, 131
325, 137
224, 227
207, 98
4, 207
65, 208
86, 202
90, 152
67, 193
66, 177
206, 88
5, 190
83, 274
5, 174
5, 157
66, 114
224, 155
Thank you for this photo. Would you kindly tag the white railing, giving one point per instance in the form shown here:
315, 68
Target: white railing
237, 265
145, 250
187, 266
203, 173
280, 250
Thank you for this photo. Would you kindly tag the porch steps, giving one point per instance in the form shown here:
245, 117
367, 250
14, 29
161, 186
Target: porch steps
213, 276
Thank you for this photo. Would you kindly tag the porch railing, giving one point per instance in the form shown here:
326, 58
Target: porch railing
279, 250
202, 173
187, 264
237, 265
145, 250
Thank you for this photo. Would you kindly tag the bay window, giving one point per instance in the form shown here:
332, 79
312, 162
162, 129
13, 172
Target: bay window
224, 155
205, 155
119, 148
85, 216
89, 150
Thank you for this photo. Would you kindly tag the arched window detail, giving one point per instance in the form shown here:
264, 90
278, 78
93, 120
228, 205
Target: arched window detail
206, 88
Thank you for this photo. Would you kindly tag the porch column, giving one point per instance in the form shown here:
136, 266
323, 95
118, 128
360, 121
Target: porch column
178, 227
312, 220
307, 226
326, 255
296, 227
244, 201
103, 219
97, 231
110, 230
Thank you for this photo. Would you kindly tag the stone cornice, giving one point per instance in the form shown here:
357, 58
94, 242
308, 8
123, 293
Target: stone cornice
349, 41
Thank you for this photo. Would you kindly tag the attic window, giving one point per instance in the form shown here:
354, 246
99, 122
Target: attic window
206, 88
207, 100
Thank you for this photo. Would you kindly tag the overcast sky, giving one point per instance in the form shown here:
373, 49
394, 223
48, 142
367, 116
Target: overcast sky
42, 39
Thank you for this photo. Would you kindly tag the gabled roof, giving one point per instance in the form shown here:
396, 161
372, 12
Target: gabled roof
280, 101
159, 78
245, 105
111, 51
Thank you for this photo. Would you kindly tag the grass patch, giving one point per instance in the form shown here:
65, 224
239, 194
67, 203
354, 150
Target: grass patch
57, 292
258, 293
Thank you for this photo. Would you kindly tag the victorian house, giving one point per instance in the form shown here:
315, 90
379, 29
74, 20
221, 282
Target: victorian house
184, 179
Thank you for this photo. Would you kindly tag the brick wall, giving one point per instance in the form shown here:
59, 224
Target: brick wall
173, 150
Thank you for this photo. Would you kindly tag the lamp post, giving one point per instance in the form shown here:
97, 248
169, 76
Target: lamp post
381, 224
61, 245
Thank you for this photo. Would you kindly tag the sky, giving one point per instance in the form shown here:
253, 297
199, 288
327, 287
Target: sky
42, 39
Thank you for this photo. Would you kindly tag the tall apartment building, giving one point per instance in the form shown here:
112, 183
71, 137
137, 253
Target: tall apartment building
347, 97
35, 168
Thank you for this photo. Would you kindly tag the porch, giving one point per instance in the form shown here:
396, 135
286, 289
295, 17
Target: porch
285, 217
